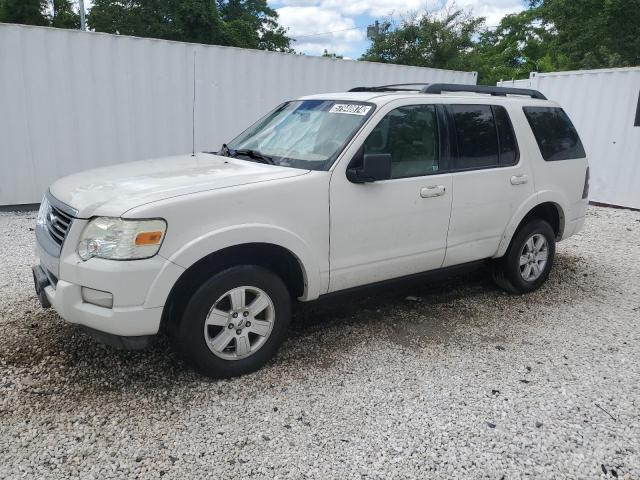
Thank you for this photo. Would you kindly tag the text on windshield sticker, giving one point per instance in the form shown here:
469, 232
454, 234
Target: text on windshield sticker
350, 108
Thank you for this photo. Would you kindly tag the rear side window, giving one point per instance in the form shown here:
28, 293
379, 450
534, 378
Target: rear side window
476, 136
555, 134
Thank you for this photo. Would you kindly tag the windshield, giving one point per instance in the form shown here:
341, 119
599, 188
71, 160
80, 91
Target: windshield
307, 134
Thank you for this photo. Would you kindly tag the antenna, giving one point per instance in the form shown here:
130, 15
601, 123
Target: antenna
193, 110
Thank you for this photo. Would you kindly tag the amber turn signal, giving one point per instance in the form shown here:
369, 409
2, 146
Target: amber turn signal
148, 238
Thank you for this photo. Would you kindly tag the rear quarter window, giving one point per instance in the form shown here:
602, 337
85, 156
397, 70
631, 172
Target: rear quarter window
555, 134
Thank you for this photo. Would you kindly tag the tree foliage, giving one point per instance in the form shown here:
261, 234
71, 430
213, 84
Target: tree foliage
517, 46
63, 14
551, 35
49, 13
28, 12
189, 21
429, 40
239, 23
255, 24
591, 33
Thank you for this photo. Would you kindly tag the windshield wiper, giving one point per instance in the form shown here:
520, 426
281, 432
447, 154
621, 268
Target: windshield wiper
246, 152
225, 150
253, 154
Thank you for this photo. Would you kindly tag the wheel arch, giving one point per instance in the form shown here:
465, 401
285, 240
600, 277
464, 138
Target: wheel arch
549, 210
276, 258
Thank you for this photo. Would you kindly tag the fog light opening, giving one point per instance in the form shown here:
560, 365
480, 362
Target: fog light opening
97, 297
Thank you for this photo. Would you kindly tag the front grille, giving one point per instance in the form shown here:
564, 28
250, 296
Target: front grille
58, 224
53, 224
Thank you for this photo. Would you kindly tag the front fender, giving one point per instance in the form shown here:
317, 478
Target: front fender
545, 196
217, 240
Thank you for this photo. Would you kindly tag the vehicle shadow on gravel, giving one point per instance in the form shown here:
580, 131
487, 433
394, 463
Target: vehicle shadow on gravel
464, 308
55, 360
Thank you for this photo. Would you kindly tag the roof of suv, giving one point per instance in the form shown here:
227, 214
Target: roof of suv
383, 95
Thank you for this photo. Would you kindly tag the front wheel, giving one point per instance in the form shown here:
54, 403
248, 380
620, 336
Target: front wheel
235, 322
528, 261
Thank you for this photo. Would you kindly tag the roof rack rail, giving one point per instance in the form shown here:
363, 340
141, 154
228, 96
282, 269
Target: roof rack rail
495, 91
452, 87
397, 87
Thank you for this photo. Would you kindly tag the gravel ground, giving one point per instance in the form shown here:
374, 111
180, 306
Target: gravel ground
447, 380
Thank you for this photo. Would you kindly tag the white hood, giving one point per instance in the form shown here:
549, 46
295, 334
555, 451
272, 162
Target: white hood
114, 190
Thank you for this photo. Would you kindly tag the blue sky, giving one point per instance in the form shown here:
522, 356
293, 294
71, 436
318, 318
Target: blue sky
348, 19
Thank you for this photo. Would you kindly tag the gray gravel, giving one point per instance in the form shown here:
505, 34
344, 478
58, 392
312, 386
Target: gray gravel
447, 380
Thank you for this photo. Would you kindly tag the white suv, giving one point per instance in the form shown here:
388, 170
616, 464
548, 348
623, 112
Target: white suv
323, 194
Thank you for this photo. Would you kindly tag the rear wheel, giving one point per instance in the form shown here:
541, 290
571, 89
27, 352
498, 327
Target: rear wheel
235, 322
528, 261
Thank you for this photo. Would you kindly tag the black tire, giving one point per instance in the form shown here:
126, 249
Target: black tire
506, 271
189, 336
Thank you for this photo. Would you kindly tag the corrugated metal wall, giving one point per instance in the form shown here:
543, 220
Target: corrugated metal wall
602, 105
72, 100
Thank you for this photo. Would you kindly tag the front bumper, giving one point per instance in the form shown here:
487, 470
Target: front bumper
66, 299
140, 289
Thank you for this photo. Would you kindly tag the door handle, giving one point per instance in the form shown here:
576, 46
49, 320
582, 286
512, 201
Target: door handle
432, 191
519, 179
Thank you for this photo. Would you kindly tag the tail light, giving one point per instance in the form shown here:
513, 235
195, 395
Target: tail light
585, 190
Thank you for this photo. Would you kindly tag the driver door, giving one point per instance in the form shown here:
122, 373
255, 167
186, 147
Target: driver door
395, 227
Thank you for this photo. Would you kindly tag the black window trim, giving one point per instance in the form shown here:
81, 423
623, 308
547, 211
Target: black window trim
453, 140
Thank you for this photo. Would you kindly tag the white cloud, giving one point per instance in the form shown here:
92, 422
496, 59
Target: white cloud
378, 8
494, 10
305, 22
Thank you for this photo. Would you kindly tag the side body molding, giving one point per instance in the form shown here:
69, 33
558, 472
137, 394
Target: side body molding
235, 235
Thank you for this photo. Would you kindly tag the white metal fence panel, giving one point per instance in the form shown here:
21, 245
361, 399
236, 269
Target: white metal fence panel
603, 105
72, 100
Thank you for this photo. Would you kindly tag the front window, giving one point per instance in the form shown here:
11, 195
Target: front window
307, 134
410, 135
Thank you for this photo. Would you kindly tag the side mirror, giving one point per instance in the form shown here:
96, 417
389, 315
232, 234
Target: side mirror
375, 166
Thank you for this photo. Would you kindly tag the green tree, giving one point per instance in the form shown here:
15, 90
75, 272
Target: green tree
28, 12
430, 40
254, 24
248, 23
591, 33
63, 15
182, 20
517, 46
551, 35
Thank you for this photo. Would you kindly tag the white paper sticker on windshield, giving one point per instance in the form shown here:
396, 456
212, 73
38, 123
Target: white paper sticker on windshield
350, 108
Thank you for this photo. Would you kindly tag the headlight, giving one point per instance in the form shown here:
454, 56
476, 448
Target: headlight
41, 219
118, 239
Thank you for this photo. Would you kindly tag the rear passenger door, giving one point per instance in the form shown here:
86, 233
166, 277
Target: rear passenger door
489, 179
